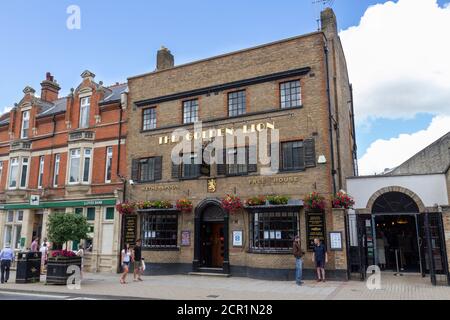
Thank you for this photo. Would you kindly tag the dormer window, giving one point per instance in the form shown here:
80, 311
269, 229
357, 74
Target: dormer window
25, 124
85, 105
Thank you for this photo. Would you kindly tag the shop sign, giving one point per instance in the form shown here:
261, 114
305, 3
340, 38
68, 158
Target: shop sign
162, 188
274, 180
57, 204
130, 229
315, 228
237, 238
34, 200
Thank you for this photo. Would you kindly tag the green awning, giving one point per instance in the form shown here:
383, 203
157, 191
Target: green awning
59, 204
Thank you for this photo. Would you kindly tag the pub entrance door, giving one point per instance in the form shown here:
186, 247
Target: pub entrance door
212, 244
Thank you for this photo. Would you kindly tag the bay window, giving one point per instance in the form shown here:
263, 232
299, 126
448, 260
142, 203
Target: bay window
23, 178
13, 172
87, 165
18, 173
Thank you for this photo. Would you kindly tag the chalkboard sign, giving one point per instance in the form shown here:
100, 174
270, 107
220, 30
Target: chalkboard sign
315, 228
130, 229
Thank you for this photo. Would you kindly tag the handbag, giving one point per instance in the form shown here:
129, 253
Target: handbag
143, 264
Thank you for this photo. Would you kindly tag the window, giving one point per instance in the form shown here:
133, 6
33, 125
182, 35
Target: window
41, 171
109, 213
25, 124
237, 161
190, 169
273, 231
109, 155
149, 119
74, 173
13, 228
80, 170
87, 165
292, 156
290, 94
13, 172
90, 216
236, 103
56, 171
147, 169
1, 169
78, 210
23, 178
190, 111
10, 217
19, 216
159, 231
85, 105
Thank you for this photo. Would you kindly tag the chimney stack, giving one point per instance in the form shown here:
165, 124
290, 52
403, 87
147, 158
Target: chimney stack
164, 59
49, 88
328, 22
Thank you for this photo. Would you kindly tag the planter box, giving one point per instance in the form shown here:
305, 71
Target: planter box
28, 267
57, 269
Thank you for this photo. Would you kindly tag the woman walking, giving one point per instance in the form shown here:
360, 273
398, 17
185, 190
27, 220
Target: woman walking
126, 261
44, 257
80, 253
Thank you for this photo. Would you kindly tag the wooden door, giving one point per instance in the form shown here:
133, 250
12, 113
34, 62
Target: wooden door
217, 245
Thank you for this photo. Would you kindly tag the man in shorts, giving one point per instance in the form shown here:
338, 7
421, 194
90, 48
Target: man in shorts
320, 258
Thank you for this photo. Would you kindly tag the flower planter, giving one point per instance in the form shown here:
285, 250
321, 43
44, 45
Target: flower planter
28, 267
57, 269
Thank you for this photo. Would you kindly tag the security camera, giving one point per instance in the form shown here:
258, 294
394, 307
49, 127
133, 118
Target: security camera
131, 182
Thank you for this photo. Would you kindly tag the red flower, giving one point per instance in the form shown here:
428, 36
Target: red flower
231, 203
343, 200
184, 205
63, 253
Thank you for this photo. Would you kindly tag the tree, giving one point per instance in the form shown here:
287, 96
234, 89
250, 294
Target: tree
63, 228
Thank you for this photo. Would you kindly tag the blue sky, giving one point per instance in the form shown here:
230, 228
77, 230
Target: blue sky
120, 39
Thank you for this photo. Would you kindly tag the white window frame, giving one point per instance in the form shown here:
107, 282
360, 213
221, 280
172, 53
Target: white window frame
83, 154
14, 225
23, 164
13, 162
85, 107
41, 171
56, 169
25, 120
1, 169
109, 158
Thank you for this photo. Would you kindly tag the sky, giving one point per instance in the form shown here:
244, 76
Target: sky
397, 53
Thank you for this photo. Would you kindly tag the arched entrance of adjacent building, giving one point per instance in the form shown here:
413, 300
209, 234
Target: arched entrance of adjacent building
211, 237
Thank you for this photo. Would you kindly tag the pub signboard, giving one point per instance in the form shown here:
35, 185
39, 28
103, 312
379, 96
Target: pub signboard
130, 229
315, 228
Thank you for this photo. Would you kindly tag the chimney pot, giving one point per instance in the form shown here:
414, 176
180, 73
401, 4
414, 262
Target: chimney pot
164, 59
49, 88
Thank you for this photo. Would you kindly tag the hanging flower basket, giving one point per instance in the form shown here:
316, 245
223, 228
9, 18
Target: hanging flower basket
158, 204
232, 203
278, 200
314, 202
126, 207
343, 201
184, 205
256, 201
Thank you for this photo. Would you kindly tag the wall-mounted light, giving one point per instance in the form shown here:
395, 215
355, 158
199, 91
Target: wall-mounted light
322, 159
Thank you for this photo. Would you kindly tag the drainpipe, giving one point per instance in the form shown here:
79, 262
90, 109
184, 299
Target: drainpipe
355, 146
330, 119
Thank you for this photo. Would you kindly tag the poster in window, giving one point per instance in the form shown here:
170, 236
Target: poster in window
336, 241
272, 234
237, 238
315, 228
278, 235
185, 238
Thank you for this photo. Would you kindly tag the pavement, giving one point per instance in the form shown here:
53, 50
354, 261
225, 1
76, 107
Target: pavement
189, 287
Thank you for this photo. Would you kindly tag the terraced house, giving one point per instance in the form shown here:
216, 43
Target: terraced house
298, 86
64, 154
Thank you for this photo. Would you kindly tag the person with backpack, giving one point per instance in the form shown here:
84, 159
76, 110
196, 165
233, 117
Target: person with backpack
298, 254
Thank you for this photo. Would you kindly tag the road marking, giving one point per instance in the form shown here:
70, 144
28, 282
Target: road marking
81, 298
33, 295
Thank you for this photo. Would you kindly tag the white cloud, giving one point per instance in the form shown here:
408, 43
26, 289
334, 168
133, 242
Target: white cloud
390, 153
398, 60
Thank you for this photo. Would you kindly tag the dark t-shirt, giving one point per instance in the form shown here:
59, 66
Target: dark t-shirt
137, 253
319, 252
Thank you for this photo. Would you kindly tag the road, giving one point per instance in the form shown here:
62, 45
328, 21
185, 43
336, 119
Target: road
8, 295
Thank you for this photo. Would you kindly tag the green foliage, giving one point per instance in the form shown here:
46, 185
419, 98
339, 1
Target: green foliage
278, 200
63, 227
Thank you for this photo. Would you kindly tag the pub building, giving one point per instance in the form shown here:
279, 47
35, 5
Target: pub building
64, 154
298, 87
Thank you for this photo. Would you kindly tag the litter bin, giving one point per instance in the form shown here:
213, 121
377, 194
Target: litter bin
28, 267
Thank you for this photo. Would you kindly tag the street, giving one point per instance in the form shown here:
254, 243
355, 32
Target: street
8, 295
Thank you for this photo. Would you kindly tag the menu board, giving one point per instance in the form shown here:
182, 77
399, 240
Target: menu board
130, 229
315, 228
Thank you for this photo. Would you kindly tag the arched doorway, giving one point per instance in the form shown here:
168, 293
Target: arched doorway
211, 237
396, 235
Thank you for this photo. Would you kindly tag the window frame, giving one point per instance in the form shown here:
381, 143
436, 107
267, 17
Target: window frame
157, 223
82, 156
141, 161
194, 170
24, 179
235, 159
71, 158
108, 164
193, 114
13, 162
87, 155
41, 172
302, 155
240, 109
85, 109
23, 130
56, 169
288, 103
152, 121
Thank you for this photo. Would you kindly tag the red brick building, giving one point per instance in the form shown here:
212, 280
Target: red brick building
64, 154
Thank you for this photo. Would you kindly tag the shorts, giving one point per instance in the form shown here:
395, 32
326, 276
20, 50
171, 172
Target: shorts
126, 264
320, 263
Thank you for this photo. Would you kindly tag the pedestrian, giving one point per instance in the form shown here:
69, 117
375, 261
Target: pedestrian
44, 257
47, 243
80, 253
35, 245
6, 258
320, 258
298, 254
126, 258
137, 255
